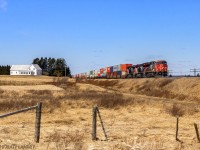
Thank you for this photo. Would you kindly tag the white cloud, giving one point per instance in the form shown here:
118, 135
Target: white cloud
3, 4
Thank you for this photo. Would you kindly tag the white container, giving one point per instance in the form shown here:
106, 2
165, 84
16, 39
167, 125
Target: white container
116, 68
105, 71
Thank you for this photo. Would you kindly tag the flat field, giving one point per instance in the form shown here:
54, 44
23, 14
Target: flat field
137, 113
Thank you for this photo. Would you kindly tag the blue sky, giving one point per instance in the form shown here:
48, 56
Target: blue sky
91, 34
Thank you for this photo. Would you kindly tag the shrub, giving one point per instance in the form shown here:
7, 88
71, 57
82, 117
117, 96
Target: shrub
176, 110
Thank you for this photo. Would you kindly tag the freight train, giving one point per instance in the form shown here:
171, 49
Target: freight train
149, 69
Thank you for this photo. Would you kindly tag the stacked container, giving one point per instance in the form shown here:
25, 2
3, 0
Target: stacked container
88, 74
104, 74
117, 71
99, 74
109, 71
95, 73
123, 68
116, 68
101, 70
91, 74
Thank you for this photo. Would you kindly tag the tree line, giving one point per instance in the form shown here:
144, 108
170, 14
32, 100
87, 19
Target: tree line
5, 70
53, 66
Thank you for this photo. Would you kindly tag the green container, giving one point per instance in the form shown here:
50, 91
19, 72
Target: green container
91, 72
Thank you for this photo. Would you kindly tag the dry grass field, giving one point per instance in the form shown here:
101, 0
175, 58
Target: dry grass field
137, 113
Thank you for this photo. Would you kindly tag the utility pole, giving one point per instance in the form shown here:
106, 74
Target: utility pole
195, 70
65, 70
170, 72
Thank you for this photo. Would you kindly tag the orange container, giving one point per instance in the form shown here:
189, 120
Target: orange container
108, 69
101, 70
108, 75
125, 66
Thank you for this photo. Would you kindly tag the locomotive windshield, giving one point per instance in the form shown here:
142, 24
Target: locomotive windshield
161, 62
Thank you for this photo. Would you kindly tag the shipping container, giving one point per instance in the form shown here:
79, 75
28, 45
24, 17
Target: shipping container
111, 69
101, 70
103, 75
96, 72
123, 67
108, 75
111, 75
105, 70
91, 72
114, 75
116, 68
88, 74
91, 76
108, 69
119, 73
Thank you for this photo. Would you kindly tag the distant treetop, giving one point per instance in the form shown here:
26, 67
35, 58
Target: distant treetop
53, 66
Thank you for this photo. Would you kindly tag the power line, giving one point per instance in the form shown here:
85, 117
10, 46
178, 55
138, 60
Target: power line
170, 72
195, 70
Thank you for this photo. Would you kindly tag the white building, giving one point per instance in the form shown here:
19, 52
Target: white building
33, 69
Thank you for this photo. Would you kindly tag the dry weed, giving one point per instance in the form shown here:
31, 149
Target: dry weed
176, 110
68, 139
179, 110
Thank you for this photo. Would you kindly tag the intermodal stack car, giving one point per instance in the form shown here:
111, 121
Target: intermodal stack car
148, 69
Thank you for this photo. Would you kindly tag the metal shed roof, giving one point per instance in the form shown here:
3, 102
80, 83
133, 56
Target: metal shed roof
24, 67
20, 67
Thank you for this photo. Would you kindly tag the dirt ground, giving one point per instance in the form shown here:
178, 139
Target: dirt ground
137, 113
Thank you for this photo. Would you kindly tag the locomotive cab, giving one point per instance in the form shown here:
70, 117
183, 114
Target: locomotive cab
161, 68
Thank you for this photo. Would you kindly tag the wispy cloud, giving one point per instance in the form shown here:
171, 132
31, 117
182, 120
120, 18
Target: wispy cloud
3, 4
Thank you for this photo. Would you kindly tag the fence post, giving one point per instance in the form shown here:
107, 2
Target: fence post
38, 122
197, 131
177, 121
104, 131
94, 123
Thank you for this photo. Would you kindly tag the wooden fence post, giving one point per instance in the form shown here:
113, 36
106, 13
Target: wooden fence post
104, 131
197, 131
38, 122
177, 121
94, 123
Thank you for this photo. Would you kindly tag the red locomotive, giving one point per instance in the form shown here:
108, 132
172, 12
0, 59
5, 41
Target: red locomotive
149, 69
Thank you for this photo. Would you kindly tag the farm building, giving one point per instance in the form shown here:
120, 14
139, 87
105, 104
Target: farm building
33, 69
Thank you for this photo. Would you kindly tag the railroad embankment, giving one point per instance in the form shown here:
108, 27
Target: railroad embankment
173, 88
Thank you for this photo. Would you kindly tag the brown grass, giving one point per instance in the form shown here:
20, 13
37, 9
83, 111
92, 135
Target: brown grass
102, 82
102, 99
182, 89
67, 139
179, 110
132, 115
